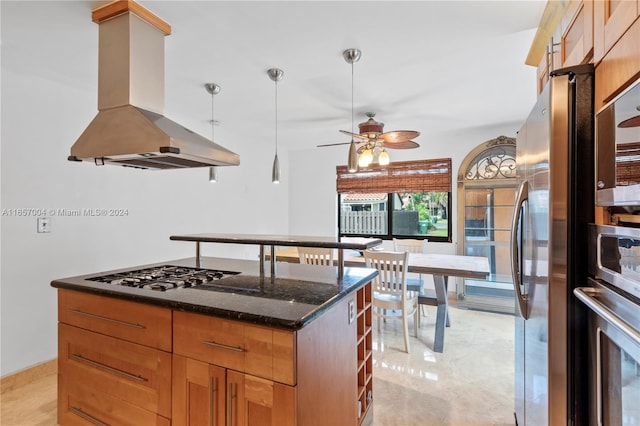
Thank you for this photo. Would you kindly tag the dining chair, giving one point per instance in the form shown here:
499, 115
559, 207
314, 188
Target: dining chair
316, 256
412, 246
391, 298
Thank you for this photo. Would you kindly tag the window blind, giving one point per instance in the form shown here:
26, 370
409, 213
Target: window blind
404, 176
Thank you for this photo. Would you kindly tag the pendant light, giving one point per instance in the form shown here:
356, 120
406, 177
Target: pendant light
276, 75
352, 56
213, 90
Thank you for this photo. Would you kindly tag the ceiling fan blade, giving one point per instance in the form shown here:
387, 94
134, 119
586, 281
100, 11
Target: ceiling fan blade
401, 145
399, 135
334, 144
355, 135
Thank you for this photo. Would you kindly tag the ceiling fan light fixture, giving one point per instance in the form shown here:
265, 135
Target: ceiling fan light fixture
365, 158
383, 158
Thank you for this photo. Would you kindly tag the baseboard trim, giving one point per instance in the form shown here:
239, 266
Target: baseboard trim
28, 375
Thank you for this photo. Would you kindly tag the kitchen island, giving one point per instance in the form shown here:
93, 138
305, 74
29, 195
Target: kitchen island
240, 350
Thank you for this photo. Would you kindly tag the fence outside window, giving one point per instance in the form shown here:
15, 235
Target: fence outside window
363, 222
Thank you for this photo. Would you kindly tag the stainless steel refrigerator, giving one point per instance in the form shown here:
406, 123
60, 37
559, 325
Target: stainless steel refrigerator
555, 202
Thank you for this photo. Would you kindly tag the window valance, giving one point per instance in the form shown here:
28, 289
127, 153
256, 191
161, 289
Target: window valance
403, 176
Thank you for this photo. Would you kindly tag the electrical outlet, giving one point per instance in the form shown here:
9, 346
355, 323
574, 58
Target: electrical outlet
352, 310
44, 225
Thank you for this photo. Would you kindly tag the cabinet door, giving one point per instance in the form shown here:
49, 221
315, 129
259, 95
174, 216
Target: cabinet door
611, 18
254, 401
198, 393
577, 36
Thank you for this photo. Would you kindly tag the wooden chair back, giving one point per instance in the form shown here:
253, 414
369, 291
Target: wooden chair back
316, 256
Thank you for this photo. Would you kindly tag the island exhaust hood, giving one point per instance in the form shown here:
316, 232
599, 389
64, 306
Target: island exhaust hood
130, 129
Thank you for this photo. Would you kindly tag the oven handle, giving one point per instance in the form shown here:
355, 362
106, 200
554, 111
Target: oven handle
523, 195
604, 312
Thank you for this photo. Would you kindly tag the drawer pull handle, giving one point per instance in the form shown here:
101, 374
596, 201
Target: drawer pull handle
87, 314
221, 346
86, 416
106, 367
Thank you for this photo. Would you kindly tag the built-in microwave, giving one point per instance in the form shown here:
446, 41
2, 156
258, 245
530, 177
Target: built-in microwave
617, 130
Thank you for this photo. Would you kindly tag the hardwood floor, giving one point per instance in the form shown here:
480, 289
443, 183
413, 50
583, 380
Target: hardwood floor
33, 404
469, 384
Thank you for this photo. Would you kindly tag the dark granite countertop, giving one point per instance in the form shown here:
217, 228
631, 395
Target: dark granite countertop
295, 297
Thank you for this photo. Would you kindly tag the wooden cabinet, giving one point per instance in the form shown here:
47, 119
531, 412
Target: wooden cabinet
603, 32
611, 18
621, 63
570, 37
365, 351
576, 42
103, 378
116, 366
208, 394
231, 373
274, 377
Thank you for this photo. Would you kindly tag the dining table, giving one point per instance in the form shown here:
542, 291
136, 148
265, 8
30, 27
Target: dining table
440, 266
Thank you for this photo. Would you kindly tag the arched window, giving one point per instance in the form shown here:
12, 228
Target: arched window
495, 162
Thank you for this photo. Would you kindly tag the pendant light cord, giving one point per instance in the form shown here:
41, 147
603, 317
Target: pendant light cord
351, 101
276, 114
213, 121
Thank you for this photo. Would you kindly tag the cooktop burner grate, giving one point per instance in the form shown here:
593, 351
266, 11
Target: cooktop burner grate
163, 278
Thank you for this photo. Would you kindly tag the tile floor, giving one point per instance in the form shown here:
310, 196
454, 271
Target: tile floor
470, 384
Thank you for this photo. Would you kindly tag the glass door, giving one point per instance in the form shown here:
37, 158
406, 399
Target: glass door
487, 229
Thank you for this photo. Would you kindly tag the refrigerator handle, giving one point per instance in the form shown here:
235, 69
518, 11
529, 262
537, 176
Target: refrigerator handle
522, 196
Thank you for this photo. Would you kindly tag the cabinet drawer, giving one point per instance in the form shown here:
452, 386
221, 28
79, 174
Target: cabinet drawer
135, 322
121, 372
80, 404
242, 347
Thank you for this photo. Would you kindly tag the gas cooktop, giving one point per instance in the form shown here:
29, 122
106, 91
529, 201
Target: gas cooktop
164, 277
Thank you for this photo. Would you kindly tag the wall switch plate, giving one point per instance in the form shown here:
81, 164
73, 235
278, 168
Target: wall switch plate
44, 225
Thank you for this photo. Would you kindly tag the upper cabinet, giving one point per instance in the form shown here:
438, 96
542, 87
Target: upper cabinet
611, 18
603, 32
576, 41
564, 38
616, 28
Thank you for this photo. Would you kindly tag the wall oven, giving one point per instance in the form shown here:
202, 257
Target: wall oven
613, 301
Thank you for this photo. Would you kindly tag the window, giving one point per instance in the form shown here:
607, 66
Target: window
417, 193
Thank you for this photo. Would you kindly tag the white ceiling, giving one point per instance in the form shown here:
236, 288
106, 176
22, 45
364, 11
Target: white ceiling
439, 67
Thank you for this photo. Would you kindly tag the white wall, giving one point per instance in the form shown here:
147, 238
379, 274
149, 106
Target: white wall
46, 104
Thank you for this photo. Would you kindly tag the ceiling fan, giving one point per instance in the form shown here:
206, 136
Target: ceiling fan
372, 140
